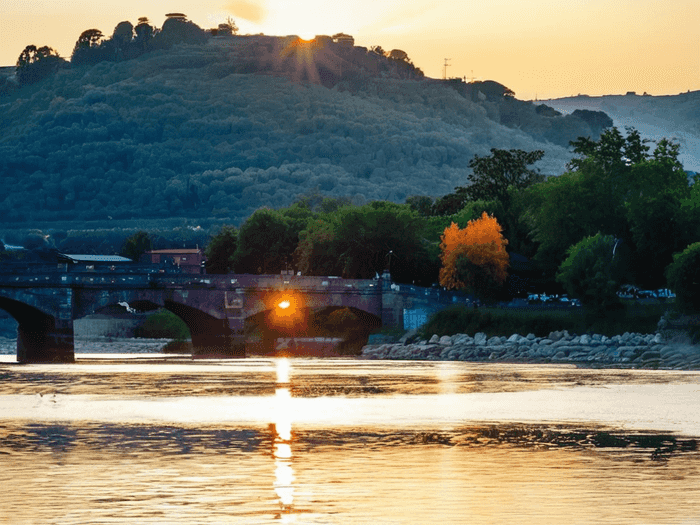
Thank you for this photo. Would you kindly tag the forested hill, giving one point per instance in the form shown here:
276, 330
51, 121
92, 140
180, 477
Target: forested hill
672, 116
221, 128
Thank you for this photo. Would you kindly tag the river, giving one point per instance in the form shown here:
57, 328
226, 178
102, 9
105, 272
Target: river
154, 439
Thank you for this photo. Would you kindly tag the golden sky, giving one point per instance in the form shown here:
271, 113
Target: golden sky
539, 49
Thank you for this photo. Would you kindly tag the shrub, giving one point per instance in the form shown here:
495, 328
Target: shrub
163, 325
523, 321
683, 277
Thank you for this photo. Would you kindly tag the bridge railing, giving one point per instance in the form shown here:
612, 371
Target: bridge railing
432, 294
156, 276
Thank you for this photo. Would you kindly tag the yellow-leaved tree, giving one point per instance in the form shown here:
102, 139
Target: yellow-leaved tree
474, 258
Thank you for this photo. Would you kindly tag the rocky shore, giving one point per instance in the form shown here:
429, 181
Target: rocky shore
630, 350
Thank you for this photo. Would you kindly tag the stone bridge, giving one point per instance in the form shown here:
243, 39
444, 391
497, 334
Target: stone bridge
46, 301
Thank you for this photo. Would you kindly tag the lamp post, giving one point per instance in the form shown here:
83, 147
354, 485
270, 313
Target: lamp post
388, 269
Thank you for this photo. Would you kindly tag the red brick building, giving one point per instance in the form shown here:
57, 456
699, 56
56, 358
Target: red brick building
189, 260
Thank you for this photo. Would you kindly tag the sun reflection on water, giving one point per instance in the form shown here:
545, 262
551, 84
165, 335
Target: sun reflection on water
282, 449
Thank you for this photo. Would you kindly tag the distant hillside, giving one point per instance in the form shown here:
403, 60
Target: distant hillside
675, 116
221, 128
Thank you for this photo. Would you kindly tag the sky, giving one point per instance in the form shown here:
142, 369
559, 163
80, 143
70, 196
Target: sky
540, 49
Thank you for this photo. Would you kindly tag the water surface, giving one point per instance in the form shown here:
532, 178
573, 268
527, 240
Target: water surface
154, 439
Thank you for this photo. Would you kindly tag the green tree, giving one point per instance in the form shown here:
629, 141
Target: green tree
608, 189
362, 241
422, 204
220, 251
592, 272
266, 242
123, 33
136, 245
683, 277
88, 48
493, 175
144, 33
35, 64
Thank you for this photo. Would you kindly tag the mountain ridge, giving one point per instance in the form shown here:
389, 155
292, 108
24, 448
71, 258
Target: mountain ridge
222, 128
654, 116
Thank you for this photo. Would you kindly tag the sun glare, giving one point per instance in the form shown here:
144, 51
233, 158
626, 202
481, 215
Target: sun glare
307, 36
284, 304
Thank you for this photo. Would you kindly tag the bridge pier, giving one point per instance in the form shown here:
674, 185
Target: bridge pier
50, 341
211, 336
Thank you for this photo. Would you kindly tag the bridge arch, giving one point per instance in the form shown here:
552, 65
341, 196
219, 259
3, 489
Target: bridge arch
41, 337
350, 324
209, 333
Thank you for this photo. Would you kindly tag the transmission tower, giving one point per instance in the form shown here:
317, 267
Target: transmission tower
446, 65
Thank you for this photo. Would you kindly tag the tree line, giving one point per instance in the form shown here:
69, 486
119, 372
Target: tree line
621, 214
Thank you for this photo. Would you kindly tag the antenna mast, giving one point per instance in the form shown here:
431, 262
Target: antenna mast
446, 65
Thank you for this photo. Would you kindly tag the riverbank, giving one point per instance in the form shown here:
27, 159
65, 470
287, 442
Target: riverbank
630, 350
100, 345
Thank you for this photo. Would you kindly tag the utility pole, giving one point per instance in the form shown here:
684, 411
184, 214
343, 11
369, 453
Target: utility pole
444, 74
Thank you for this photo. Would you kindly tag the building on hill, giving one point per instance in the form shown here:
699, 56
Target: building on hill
188, 260
343, 39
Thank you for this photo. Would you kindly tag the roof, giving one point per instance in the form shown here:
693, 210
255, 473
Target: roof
173, 252
98, 258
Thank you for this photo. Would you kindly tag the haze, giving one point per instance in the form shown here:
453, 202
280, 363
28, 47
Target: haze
540, 49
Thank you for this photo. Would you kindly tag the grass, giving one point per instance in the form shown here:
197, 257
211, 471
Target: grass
641, 318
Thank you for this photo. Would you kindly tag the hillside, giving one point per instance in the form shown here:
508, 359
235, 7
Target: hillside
221, 128
674, 116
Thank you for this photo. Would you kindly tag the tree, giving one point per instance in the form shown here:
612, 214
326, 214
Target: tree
362, 241
266, 241
592, 272
123, 34
178, 30
422, 204
88, 48
136, 245
474, 258
494, 174
683, 277
35, 64
220, 251
608, 189
144, 33
230, 25
399, 55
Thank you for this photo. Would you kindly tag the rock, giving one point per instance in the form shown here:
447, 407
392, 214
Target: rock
585, 339
408, 336
513, 338
650, 354
434, 339
461, 339
445, 340
480, 339
554, 336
